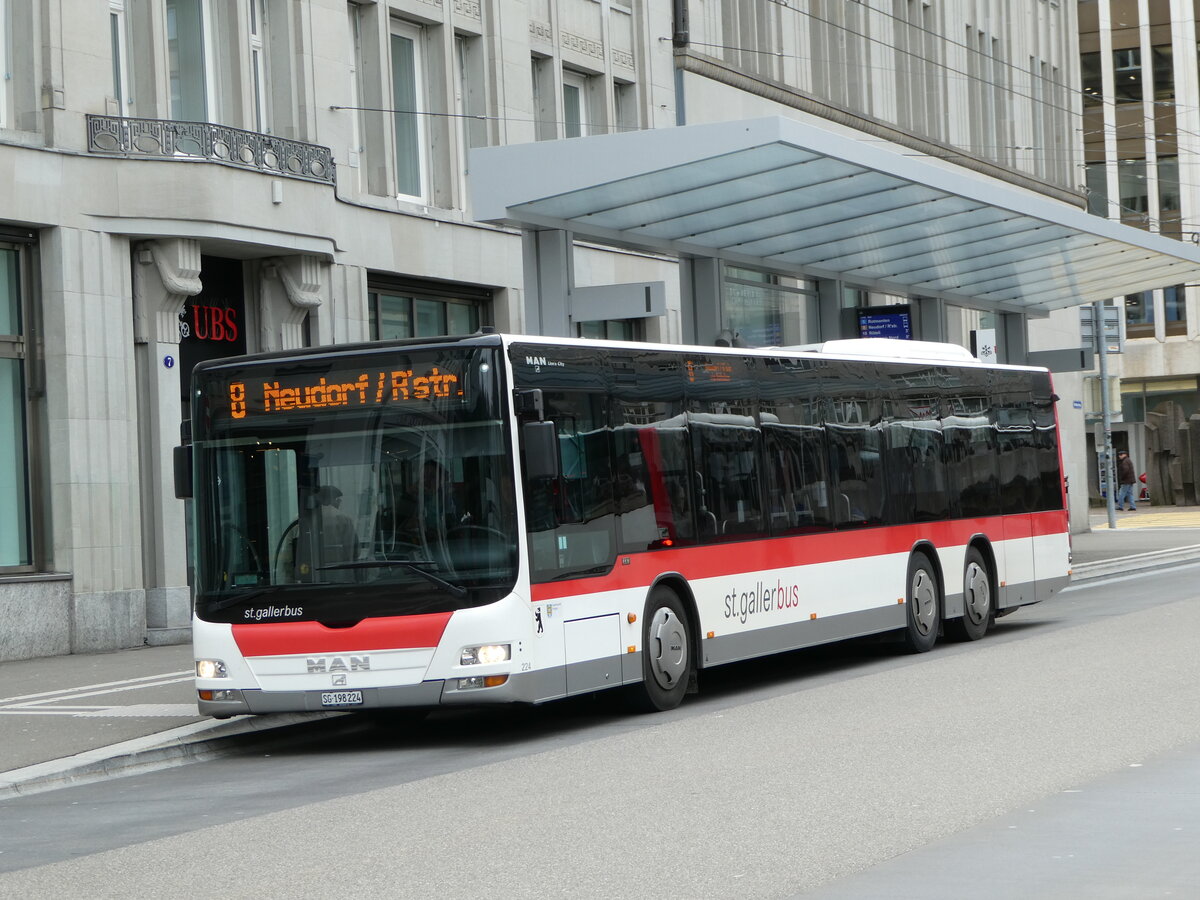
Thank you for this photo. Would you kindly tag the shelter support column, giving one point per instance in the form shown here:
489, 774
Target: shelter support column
829, 296
1014, 339
931, 318
548, 265
700, 299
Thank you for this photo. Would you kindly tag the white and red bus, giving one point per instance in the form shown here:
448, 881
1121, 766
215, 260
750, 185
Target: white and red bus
495, 518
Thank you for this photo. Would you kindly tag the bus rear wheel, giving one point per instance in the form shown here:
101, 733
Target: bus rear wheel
666, 653
977, 599
923, 603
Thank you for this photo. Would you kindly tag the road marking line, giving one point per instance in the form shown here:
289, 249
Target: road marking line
144, 710
129, 682
32, 704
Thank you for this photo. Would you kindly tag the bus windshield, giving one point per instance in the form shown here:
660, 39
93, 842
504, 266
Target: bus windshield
342, 487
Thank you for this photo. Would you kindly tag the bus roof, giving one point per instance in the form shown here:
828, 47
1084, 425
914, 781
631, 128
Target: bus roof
861, 349
891, 348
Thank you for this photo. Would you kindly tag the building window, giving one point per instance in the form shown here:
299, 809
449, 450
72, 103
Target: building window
470, 99
188, 73
1139, 314
545, 121
120, 57
258, 65
1143, 310
575, 105
16, 546
220, 63
1127, 75
1140, 397
1164, 72
1097, 189
1170, 217
469, 93
1135, 198
625, 110
1093, 80
1175, 309
407, 309
765, 310
611, 330
407, 105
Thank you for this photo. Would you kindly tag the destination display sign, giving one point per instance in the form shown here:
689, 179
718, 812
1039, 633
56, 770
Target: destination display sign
277, 392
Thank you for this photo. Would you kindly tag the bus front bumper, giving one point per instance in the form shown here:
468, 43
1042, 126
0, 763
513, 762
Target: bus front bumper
517, 689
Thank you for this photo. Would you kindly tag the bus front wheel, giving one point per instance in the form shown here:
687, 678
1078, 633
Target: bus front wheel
666, 653
923, 603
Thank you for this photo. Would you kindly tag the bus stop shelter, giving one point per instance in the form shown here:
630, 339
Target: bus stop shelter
794, 197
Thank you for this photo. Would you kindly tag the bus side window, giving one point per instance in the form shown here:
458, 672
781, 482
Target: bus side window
1020, 476
570, 519
1045, 439
729, 498
855, 456
654, 482
797, 483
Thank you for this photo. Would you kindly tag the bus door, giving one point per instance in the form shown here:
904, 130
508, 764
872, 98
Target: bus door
1019, 485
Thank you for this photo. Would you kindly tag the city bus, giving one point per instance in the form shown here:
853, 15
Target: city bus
498, 519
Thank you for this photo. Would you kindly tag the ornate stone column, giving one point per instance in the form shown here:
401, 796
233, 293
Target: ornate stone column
165, 274
290, 287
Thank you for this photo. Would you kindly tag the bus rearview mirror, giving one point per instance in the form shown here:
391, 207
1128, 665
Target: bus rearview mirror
541, 449
183, 472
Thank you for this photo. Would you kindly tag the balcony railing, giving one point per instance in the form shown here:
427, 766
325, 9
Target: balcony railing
168, 139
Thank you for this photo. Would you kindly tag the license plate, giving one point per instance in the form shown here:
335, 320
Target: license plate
341, 698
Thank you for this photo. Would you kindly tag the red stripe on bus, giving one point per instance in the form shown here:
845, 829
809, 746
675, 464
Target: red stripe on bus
393, 633
735, 557
1055, 521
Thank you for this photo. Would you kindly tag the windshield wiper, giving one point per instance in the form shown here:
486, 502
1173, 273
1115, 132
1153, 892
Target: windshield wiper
233, 600
411, 565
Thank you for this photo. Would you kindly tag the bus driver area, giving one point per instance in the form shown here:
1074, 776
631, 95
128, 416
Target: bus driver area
541, 518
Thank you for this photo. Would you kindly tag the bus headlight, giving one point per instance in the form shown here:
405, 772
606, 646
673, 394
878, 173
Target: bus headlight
485, 655
211, 668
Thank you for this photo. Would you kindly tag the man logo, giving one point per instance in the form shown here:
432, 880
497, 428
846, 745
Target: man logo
337, 664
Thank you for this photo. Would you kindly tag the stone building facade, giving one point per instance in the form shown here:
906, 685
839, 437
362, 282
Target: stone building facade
185, 179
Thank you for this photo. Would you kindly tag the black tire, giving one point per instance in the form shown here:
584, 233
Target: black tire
978, 605
923, 601
666, 653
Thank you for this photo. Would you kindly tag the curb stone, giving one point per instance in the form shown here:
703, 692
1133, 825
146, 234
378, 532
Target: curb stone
197, 741
1124, 564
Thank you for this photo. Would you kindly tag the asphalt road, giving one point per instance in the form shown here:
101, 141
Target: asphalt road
1056, 758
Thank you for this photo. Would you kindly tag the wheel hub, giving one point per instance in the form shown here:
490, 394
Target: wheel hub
977, 593
924, 601
667, 647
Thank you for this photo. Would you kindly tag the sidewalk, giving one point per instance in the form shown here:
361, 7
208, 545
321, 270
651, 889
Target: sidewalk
70, 719
1152, 536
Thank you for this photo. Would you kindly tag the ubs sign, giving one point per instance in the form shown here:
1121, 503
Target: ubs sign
209, 323
213, 323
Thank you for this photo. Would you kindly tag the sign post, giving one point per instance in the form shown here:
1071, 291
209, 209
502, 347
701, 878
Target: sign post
1106, 413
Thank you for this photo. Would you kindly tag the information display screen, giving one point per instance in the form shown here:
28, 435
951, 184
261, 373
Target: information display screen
885, 322
262, 392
